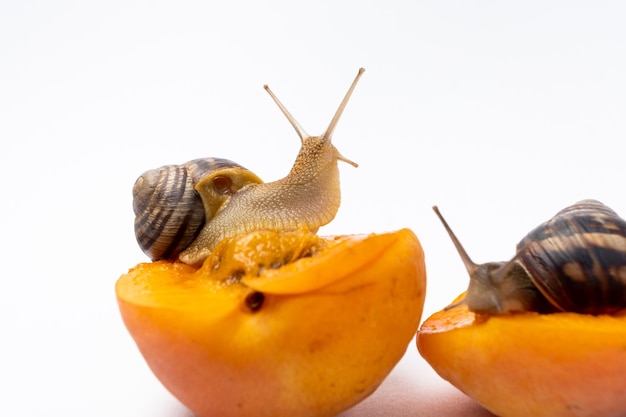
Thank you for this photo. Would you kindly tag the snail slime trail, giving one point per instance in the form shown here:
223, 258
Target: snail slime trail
184, 211
573, 263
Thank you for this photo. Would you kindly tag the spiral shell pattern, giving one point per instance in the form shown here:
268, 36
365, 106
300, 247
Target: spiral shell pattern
169, 213
577, 259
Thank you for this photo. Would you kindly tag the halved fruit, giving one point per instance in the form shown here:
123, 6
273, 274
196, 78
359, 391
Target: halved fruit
530, 364
278, 324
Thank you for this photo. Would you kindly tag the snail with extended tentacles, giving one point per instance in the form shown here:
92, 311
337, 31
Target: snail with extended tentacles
185, 210
574, 262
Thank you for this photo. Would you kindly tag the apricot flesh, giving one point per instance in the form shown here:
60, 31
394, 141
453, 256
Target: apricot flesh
530, 364
278, 324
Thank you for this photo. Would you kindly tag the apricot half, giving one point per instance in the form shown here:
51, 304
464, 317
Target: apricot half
530, 364
278, 324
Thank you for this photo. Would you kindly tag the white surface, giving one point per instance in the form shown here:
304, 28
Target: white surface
500, 113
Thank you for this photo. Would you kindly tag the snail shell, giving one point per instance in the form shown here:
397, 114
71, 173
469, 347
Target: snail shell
169, 213
574, 262
577, 259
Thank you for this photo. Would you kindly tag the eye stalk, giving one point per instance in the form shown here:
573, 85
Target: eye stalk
495, 287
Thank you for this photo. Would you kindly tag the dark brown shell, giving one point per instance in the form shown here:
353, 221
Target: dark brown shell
577, 259
169, 213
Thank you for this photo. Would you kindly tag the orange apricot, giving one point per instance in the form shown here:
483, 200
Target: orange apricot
530, 364
278, 323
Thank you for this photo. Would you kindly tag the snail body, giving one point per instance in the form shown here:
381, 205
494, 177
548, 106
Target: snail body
308, 197
574, 262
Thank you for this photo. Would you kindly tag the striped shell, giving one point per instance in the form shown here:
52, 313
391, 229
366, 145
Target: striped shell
169, 213
577, 259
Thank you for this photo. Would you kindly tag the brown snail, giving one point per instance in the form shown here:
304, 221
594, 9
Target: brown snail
185, 210
574, 262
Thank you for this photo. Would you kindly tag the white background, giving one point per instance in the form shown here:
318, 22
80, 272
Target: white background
501, 113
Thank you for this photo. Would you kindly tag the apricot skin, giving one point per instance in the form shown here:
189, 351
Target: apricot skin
324, 338
552, 365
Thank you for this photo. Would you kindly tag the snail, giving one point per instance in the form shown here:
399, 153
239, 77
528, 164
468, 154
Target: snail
574, 262
183, 211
